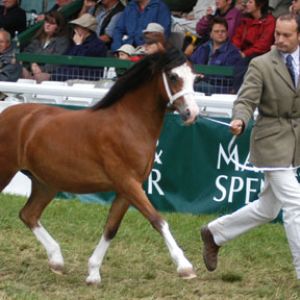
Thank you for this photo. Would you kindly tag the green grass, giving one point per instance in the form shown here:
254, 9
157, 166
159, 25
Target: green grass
137, 266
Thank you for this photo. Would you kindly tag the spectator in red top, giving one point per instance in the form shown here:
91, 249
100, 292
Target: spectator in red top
255, 35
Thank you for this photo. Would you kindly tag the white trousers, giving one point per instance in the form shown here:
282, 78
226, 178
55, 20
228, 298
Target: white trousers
281, 191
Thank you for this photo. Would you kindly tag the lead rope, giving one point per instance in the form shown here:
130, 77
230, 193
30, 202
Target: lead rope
244, 167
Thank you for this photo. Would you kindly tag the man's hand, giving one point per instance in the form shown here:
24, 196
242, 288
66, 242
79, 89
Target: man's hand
236, 126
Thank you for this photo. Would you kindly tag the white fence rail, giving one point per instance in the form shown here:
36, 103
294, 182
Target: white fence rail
86, 94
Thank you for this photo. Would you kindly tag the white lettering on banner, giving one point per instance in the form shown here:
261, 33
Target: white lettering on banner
229, 186
155, 175
153, 180
157, 157
227, 158
236, 185
233, 156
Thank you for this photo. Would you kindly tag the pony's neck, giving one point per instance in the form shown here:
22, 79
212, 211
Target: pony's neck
146, 103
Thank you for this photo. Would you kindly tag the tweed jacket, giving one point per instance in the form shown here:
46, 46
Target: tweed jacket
275, 137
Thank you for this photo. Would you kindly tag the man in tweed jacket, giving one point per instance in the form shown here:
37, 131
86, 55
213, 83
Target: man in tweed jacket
275, 144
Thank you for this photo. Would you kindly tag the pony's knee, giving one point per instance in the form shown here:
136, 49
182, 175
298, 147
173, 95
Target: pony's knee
28, 218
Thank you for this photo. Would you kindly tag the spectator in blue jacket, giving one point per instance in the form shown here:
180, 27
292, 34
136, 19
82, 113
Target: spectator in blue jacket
218, 51
135, 18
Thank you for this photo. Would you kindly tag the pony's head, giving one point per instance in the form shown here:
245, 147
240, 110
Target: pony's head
178, 83
176, 88
179, 86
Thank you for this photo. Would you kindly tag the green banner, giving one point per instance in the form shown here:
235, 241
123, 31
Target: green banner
193, 172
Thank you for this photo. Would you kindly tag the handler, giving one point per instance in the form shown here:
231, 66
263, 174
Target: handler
270, 87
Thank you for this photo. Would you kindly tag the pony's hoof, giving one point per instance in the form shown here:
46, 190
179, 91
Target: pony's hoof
93, 281
57, 269
187, 274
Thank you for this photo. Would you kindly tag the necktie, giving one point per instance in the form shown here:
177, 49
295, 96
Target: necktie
289, 65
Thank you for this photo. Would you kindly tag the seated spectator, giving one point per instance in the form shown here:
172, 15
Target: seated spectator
12, 17
59, 4
135, 18
186, 22
241, 5
295, 7
255, 34
125, 52
218, 51
51, 38
85, 43
107, 13
225, 9
10, 69
154, 37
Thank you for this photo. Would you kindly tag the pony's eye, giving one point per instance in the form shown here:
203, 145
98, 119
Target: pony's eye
173, 78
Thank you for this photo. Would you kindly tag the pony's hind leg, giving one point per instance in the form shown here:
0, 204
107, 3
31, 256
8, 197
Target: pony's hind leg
30, 214
117, 211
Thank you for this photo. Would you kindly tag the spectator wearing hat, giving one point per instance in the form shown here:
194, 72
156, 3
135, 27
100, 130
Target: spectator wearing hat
125, 52
107, 13
154, 36
12, 17
135, 18
85, 43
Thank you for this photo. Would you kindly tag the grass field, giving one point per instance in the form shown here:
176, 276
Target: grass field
137, 266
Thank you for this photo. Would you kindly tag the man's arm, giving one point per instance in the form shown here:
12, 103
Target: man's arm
250, 93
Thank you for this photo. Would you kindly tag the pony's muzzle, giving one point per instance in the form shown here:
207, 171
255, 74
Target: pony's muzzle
189, 115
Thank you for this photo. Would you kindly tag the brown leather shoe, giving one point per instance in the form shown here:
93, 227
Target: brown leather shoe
210, 249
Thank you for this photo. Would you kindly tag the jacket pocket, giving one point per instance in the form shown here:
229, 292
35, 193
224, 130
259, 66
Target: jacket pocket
260, 133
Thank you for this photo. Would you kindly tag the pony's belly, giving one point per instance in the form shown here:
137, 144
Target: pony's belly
75, 181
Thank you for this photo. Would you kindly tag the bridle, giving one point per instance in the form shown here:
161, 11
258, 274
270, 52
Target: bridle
174, 97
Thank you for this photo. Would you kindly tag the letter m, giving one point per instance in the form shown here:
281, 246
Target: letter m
222, 156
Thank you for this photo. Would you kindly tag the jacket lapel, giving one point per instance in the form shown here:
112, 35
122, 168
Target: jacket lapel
281, 69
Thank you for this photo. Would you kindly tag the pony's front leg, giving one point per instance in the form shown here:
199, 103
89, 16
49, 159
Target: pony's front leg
115, 216
184, 267
142, 203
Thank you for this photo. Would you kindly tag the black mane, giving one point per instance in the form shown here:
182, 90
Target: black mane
141, 72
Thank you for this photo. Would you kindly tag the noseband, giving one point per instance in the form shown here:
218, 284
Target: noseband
174, 97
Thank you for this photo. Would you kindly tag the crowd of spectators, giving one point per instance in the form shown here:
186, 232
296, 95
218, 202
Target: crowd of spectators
215, 32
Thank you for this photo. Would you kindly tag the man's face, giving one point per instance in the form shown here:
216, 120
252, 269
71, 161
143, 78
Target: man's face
222, 4
4, 42
9, 3
287, 38
219, 33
